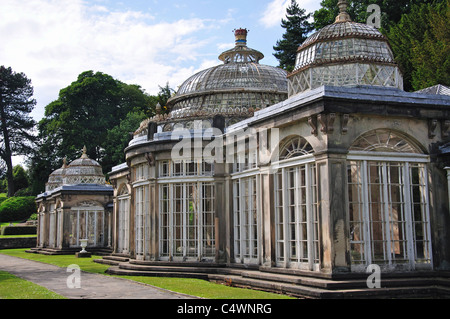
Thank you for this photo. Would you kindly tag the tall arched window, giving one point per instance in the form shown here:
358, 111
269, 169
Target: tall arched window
296, 207
123, 201
388, 202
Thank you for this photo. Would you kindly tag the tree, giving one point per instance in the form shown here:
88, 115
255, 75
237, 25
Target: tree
21, 181
119, 136
297, 29
421, 45
16, 104
85, 111
416, 29
97, 111
391, 11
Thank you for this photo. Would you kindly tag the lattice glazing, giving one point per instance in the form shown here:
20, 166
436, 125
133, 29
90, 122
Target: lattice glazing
345, 54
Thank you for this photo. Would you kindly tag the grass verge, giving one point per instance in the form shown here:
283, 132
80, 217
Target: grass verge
12, 287
193, 287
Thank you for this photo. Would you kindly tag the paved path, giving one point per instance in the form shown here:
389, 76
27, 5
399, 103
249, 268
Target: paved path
91, 286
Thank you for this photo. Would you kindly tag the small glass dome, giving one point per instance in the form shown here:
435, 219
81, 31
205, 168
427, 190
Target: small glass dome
345, 53
55, 179
81, 171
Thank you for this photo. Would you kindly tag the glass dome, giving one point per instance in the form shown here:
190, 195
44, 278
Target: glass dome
345, 53
235, 89
81, 171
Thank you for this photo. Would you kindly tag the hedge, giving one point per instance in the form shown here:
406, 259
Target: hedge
18, 230
17, 208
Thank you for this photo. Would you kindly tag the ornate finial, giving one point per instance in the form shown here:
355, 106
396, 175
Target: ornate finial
343, 15
64, 162
241, 36
84, 152
158, 108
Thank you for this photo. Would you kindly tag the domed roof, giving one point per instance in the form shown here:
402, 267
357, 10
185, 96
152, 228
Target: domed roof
344, 42
55, 179
234, 89
84, 171
229, 77
345, 53
81, 171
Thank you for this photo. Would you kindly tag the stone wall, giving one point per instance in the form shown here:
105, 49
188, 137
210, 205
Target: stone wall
17, 243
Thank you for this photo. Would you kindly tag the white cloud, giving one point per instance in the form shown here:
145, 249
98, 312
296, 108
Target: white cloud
52, 41
276, 10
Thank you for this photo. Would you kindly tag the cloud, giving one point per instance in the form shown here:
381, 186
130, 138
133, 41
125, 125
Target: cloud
52, 41
276, 10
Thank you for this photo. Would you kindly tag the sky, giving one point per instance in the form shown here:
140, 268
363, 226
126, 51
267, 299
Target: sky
145, 42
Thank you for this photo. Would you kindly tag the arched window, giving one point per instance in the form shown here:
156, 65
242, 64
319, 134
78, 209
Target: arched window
388, 202
294, 147
123, 202
296, 206
384, 141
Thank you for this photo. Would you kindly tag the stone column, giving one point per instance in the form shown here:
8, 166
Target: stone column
221, 213
332, 196
115, 224
448, 184
268, 217
153, 205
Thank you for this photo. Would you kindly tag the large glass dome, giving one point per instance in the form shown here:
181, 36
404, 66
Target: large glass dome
235, 89
345, 53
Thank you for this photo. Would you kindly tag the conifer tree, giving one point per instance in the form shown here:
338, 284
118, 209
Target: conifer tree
16, 124
297, 29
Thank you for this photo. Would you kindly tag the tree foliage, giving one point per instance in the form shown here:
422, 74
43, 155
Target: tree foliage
96, 111
391, 11
17, 208
421, 45
417, 31
16, 124
297, 29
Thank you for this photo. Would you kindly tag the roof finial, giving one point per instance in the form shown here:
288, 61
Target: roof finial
241, 36
64, 162
84, 152
343, 15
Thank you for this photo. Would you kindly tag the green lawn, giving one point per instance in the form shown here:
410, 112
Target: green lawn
193, 287
12, 287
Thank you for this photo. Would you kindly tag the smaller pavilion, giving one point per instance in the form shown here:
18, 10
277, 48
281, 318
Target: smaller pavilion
76, 205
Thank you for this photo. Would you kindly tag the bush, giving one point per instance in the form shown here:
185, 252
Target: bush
17, 208
19, 230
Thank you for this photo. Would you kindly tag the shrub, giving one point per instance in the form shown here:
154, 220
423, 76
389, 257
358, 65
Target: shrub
3, 197
19, 230
17, 208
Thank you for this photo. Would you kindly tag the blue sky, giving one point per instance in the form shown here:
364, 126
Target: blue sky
144, 42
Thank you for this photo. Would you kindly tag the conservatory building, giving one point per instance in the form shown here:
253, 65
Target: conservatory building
321, 172
76, 205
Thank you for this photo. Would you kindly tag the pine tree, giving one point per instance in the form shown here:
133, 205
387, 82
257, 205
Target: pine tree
16, 104
297, 29
420, 42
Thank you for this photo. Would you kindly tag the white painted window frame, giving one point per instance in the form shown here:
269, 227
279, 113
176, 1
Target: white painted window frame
124, 223
95, 210
244, 239
406, 160
282, 232
184, 255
